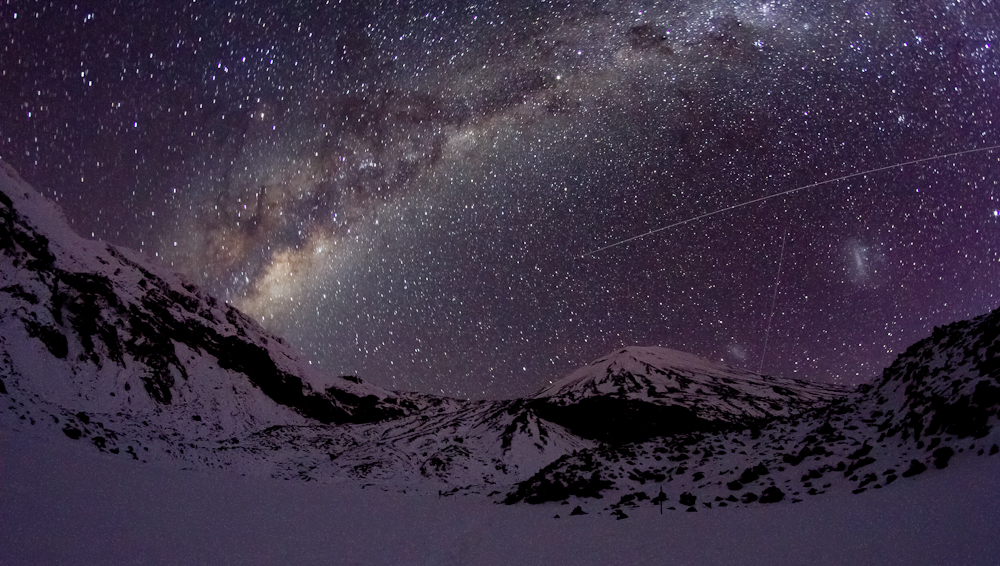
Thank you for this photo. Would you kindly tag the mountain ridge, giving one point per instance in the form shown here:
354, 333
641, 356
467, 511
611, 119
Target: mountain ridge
102, 309
99, 344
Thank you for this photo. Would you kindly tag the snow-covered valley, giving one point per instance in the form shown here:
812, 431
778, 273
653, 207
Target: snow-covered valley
63, 503
142, 420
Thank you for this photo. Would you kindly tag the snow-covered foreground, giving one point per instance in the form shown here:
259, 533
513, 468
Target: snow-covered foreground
64, 503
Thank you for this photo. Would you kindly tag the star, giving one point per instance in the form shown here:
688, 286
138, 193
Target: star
406, 194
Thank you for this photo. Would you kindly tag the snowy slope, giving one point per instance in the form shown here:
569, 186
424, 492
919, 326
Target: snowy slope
458, 446
89, 328
654, 391
668, 377
948, 382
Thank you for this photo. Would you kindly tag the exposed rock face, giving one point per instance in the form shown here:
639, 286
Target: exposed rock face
939, 399
946, 383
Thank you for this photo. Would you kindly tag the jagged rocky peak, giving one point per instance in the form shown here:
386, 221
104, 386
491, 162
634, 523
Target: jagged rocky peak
655, 391
88, 325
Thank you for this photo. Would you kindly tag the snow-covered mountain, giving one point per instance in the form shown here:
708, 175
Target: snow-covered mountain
87, 327
940, 399
106, 347
656, 391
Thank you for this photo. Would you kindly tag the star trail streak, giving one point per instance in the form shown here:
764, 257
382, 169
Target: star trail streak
784, 193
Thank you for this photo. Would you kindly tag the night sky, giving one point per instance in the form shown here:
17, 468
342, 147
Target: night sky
406, 190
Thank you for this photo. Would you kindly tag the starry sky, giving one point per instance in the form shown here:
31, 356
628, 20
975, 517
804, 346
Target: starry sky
410, 191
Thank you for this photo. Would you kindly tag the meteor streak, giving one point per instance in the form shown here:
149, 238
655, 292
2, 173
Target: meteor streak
788, 192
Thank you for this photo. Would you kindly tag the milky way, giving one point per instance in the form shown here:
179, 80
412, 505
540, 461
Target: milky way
407, 191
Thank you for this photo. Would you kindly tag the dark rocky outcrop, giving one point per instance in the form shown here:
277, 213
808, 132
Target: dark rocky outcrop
619, 421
